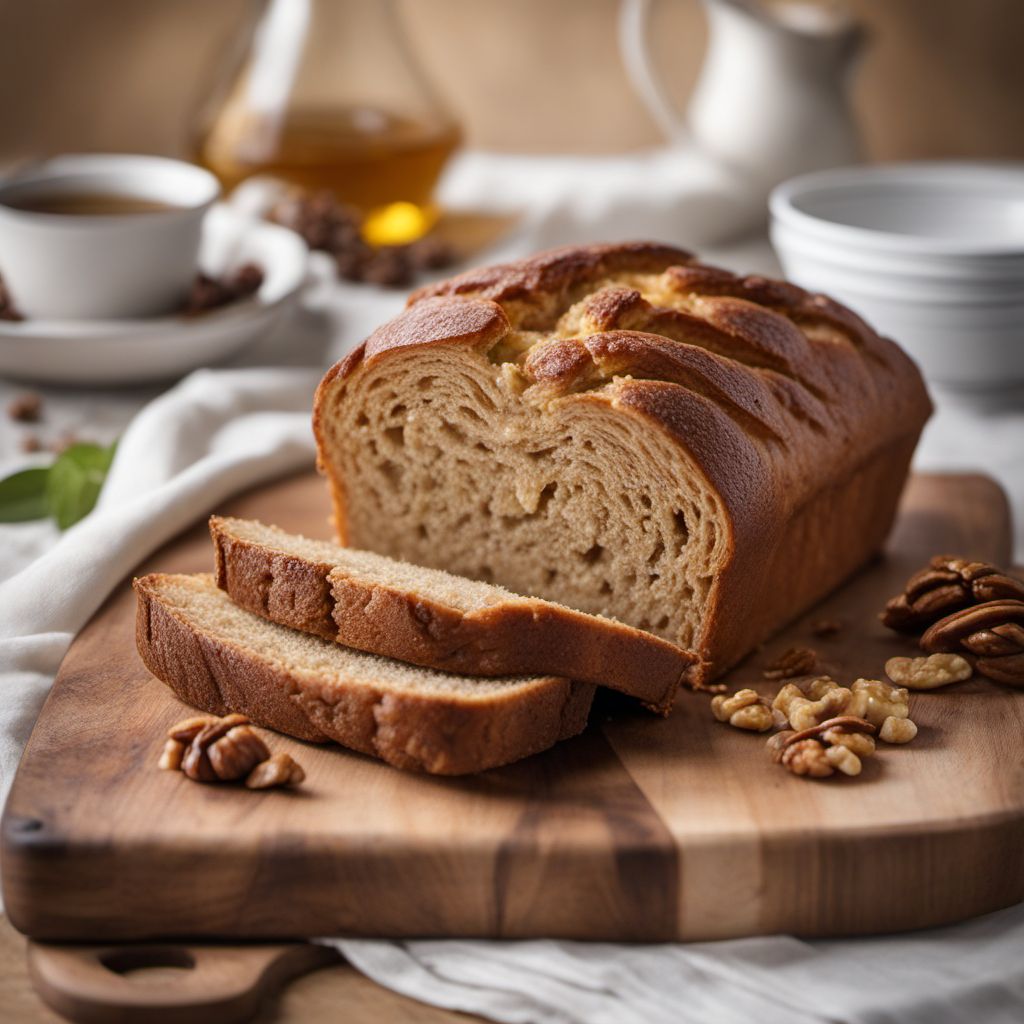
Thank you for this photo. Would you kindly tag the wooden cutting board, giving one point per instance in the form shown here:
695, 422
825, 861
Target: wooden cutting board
640, 829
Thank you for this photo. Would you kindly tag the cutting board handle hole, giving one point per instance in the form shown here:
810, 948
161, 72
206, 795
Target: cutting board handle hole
128, 961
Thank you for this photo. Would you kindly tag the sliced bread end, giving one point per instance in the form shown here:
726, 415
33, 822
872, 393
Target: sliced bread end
431, 618
219, 657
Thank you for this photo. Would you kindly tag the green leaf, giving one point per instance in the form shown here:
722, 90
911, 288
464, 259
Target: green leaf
23, 496
75, 481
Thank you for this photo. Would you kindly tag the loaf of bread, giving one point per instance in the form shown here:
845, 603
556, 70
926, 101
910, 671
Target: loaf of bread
220, 658
429, 617
628, 432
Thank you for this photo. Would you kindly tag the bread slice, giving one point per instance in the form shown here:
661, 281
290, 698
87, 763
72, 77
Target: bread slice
429, 617
629, 432
220, 658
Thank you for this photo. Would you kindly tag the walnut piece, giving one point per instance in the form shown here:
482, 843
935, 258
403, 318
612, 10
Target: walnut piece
897, 730
777, 744
930, 672
745, 709
797, 661
236, 753
809, 690
876, 701
807, 757
211, 749
196, 763
279, 770
838, 744
843, 759
805, 714
862, 744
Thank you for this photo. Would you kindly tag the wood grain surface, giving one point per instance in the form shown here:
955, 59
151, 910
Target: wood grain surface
336, 994
640, 829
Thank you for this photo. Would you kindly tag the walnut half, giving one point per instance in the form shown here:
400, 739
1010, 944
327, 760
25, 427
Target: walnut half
210, 749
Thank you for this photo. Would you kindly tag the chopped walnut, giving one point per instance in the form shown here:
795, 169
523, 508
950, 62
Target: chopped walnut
897, 730
804, 714
807, 757
745, 709
876, 700
843, 759
843, 741
862, 744
797, 661
928, 673
804, 692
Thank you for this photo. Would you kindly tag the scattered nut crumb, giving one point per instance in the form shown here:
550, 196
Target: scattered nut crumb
897, 730
30, 444
279, 770
826, 627
25, 408
930, 672
797, 661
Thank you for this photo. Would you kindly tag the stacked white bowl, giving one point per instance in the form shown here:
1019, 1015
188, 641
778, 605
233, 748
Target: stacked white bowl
931, 254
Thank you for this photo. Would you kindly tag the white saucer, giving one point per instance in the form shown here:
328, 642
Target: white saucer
105, 352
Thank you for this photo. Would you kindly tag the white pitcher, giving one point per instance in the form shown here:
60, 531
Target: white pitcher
771, 100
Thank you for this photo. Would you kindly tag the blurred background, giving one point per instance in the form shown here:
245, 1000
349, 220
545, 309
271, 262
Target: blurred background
415, 138
940, 78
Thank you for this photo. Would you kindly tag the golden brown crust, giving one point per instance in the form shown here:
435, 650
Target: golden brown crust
524, 637
441, 735
786, 402
556, 270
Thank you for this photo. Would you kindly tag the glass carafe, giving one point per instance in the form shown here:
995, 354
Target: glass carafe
331, 96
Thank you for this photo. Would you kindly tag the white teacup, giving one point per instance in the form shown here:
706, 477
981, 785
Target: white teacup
87, 266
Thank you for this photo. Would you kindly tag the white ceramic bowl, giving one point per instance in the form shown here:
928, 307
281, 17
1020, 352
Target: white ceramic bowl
80, 267
931, 254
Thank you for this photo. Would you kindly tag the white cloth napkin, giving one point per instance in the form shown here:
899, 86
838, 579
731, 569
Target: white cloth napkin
972, 971
214, 434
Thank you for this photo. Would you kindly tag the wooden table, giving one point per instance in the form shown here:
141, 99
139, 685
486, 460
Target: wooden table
332, 994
